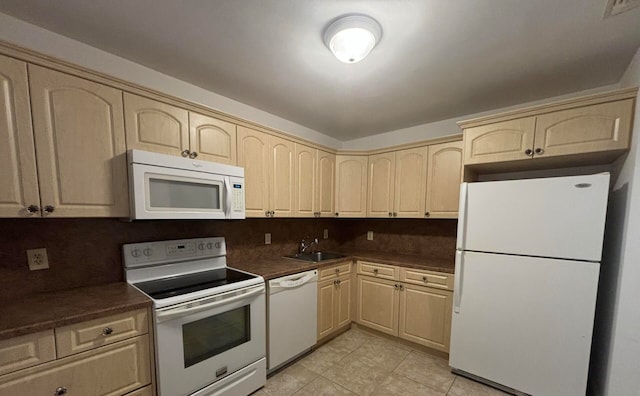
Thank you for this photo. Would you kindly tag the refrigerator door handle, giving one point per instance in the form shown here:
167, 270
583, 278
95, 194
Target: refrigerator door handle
457, 285
462, 217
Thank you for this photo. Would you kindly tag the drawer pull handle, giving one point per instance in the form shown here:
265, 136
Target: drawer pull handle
337, 270
61, 390
375, 271
107, 331
424, 279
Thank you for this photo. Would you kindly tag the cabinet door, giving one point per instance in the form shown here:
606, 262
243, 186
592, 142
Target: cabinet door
155, 126
378, 304
601, 127
502, 141
410, 182
343, 302
351, 186
213, 139
305, 181
443, 180
325, 200
17, 153
253, 155
111, 370
425, 316
326, 307
382, 171
79, 132
281, 176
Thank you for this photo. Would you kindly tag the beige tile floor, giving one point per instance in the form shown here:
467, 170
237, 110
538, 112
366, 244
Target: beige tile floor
360, 363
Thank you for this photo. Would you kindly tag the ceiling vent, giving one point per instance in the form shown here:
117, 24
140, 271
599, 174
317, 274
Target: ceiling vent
615, 7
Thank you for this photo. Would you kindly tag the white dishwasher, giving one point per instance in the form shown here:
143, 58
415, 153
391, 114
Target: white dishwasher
292, 317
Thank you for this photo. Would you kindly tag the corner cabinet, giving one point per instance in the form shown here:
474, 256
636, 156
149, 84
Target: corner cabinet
79, 132
412, 304
591, 130
162, 128
81, 359
334, 299
351, 185
269, 173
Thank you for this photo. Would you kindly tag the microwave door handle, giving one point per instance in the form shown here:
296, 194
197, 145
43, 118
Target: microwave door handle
161, 316
227, 197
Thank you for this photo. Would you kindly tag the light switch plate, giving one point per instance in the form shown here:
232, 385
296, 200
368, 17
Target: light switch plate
37, 259
267, 238
369, 235
325, 235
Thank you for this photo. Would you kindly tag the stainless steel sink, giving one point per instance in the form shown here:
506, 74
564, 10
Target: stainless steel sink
316, 257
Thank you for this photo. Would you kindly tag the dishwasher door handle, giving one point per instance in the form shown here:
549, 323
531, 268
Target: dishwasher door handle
289, 283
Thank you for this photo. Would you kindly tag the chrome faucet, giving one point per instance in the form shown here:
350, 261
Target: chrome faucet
304, 245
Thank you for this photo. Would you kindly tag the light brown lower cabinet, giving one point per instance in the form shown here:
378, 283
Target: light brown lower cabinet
334, 299
402, 308
113, 368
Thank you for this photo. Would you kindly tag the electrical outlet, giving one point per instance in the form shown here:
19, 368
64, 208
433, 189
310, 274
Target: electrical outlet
37, 259
325, 235
267, 238
369, 235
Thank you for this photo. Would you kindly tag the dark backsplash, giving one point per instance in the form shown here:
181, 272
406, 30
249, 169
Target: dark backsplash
85, 252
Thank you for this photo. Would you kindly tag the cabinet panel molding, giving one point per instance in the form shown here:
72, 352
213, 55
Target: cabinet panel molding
378, 304
504, 141
305, 181
26, 351
351, 186
410, 182
214, 140
443, 180
381, 185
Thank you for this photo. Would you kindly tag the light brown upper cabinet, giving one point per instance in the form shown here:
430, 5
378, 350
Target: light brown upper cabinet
166, 129
590, 130
19, 195
269, 173
443, 181
79, 132
351, 185
314, 182
382, 170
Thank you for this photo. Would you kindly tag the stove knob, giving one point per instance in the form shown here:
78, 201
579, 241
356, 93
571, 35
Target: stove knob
209, 245
201, 246
135, 252
217, 245
147, 252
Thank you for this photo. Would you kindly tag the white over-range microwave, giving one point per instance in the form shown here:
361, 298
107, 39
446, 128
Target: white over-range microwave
167, 187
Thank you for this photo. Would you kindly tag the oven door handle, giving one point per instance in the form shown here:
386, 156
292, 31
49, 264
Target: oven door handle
171, 313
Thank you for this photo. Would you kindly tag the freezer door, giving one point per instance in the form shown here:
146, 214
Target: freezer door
561, 217
524, 322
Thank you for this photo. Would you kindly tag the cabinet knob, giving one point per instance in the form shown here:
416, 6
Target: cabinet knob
375, 271
335, 282
395, 214
528, 152
427, 214
396, 286
32, 209
401, 287
61, 390
107, 331
390, 214
339, 282
49, 209
193, 155
185, 153
424, 279
337, 270
337, 214
539, 151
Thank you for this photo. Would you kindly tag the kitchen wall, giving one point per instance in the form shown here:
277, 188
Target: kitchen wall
88, 251
616, 346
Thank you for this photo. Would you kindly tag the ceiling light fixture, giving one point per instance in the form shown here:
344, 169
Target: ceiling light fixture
352, 37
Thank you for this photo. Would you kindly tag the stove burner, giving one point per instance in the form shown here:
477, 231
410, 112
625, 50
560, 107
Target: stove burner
183, 284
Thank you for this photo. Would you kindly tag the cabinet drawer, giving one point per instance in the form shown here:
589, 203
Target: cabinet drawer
146, 391
26, 351
335, 271
438, 280
381, 271
111, 370
94, 333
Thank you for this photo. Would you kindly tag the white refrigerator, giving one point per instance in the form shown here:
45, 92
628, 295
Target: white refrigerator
526, 277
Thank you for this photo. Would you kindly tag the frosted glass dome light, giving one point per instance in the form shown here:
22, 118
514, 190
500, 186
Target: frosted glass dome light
352, 37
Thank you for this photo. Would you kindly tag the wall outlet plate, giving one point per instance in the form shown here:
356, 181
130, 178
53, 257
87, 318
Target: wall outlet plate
325, 234
369, 235
37, 259
267, 238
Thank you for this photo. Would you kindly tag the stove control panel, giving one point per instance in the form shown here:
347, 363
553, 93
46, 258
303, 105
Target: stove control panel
148, 253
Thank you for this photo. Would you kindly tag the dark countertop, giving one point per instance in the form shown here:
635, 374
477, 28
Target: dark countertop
277, 267
44, 311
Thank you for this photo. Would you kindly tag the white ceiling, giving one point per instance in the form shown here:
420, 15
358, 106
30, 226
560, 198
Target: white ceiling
436, 59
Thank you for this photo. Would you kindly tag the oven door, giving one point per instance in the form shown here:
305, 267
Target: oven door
201, 341
168, 193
